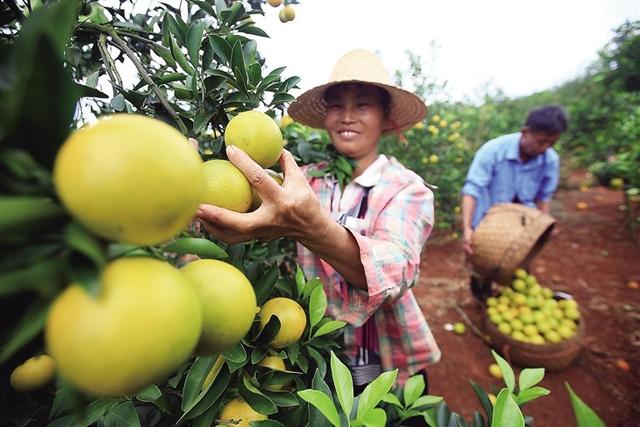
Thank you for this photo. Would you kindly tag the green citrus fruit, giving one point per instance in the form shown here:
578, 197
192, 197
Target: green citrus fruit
228, 303
292, 320
33, 373
226, 186
130, 178
145, 321
256, 134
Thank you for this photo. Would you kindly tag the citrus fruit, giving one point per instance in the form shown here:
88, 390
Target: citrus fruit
521, 273
273, 362
459, 328
274, 3
33, 373
228, 303
226, 186
130, 178
256, 134
256, 201
145, 320
495, 371
292, 320
289, 12
238, 413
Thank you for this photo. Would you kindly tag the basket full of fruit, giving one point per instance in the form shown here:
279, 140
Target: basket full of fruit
534, 326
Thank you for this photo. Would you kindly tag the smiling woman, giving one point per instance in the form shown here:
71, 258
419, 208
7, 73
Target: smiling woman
363, 241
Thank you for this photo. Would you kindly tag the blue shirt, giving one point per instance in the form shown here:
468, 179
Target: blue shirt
498, 175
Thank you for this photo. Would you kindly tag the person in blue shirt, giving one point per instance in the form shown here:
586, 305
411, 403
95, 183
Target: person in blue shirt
520, 167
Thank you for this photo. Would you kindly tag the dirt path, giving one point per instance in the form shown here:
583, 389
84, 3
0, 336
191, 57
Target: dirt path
592, 258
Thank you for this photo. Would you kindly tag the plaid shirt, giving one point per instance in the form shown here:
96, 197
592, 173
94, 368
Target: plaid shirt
396, 224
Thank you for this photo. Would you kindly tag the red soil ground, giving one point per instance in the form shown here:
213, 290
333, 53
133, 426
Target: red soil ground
593, 258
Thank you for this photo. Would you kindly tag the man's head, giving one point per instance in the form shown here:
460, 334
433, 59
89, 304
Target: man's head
541, 130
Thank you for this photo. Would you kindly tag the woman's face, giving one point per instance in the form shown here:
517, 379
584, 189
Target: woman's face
355, 119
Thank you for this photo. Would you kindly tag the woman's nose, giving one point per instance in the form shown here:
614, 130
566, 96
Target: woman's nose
348, 115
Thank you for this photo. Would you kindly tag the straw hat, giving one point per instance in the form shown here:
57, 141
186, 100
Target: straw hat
360, 66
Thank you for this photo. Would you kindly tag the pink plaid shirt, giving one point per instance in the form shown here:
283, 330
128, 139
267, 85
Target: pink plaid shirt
396, 225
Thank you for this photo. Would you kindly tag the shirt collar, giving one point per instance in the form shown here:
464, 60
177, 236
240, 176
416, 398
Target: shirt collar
371, 176
513, 152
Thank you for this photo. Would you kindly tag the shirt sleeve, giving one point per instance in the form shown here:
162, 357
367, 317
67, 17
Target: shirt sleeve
391, 254
480, 173
550, 178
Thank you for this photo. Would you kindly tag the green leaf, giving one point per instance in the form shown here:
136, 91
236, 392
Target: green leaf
236, 354
281, 98
506, 412
483, 398
374, 392
585, 416
530, 377
210, 394
374, 418
195, 378
292, 353
201, 120
256, 399
85, 242
149, 394
237, 10
300, 280
320, 362
531, 393
267, 423
268, 333
204, 248
205, 6
88, 91
30, 325
426, 400
265, 285
329, 327
413, 389
19, 214
507, 372
96, 409
255, 74
343, 383
176, 29
317, 305
194, 40
117, 102
221, 48
123, 415
251, 29
180, 58
238, 66
323, 403
165, 54
283, 399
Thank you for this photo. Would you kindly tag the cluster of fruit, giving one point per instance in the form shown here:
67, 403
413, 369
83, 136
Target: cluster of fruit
287, 13
133, 179
530, 313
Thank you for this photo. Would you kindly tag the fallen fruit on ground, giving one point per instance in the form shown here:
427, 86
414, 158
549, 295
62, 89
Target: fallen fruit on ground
238, 413
495, 371
256, 134
459, 328
226, 186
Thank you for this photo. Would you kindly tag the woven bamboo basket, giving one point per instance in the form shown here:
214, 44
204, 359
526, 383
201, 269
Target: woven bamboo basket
508, 237
552, 357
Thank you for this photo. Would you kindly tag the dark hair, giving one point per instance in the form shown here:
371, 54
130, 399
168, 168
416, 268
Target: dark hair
550, 118
385, 97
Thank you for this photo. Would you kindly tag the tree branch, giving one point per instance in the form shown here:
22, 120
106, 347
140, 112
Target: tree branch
122, 45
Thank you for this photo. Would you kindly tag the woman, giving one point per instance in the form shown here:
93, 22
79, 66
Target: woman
363, 242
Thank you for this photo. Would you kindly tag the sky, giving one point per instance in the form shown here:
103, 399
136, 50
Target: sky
517, 46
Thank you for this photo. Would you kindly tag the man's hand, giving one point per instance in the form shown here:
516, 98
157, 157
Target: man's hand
467, 236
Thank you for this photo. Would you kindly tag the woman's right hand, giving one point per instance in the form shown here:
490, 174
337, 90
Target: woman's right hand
290, 210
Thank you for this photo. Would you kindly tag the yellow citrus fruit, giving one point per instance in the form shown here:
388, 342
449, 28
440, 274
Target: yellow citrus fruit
33, 373
226, 186
495, 371
292, 320
434, 158
228, 303
581, 205
273, 362
256, 201
238, 413
616, 183
130, 178
274, 3
285, 121
256, 134
145, 321
289, 12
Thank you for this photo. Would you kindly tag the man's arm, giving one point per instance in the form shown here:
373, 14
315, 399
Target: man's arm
468, 210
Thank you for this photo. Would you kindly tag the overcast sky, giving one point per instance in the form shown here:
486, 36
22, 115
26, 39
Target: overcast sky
519, 46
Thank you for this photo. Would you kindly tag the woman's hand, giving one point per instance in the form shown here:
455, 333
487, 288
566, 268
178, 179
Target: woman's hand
467, 236
290, 210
